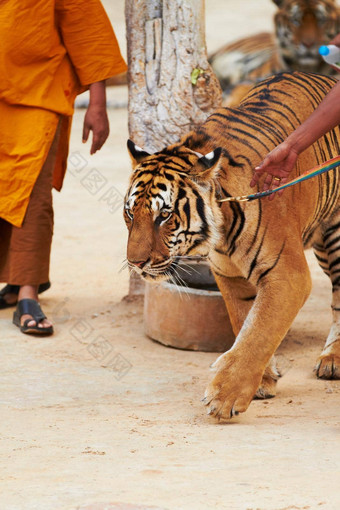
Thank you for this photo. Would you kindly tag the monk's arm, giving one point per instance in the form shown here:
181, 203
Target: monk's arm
281, 160
89, 39
324, 118
93, 49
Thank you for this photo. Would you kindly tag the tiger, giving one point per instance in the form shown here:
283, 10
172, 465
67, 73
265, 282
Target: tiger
300, 27
255, 249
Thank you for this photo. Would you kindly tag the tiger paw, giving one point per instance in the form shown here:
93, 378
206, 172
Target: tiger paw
232, 389
328, 366
267, 388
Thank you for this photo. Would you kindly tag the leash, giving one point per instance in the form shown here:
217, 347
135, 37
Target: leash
318, 170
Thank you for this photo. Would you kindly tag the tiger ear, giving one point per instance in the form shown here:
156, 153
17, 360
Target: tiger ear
137, 154
207, 166
278, 2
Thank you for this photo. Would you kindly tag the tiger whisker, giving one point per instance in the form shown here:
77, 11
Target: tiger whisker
192, 257
154, 271
124, 266
189, 269
174, 282
183, 284
184, 269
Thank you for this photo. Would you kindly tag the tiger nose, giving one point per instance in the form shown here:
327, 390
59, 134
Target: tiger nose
139, 263
308, 43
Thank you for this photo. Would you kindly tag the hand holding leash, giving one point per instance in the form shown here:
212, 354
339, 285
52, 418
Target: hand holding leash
277, 165
280, 185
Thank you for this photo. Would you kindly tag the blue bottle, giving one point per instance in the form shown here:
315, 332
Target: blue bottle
331, 55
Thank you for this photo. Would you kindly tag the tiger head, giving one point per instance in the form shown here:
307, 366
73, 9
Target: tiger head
170, 208
301, 26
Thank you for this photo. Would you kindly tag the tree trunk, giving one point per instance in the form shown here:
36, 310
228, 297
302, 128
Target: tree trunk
172, 87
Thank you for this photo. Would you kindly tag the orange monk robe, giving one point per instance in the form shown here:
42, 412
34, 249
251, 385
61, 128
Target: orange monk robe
50, 51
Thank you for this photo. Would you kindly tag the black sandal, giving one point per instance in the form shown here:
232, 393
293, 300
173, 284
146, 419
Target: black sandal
14, 289
32, 308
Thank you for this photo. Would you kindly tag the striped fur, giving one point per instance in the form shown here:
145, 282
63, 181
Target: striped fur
300, 27
256, 249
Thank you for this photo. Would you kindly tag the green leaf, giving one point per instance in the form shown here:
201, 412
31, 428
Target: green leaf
195, 75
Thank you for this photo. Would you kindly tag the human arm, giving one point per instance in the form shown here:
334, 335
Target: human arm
93, 49
96, 119
280, 161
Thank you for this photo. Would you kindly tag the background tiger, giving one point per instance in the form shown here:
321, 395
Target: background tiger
256, 249
300, 27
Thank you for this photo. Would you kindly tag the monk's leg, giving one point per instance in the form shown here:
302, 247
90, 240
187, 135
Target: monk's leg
8, 297
28, 255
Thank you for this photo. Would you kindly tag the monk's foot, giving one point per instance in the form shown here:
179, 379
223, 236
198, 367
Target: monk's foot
28, 315
8, 296
10, 299
45, 323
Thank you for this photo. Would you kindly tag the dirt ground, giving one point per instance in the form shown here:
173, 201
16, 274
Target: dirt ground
100, 417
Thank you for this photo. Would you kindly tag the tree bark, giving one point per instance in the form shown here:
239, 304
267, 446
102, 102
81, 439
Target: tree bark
171, 85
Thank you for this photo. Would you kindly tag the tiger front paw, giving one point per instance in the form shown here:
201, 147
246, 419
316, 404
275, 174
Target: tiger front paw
267, 388
328, 366
232, 389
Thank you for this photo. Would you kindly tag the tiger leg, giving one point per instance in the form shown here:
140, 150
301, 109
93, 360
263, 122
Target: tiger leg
328, 256
239, 296
239, 371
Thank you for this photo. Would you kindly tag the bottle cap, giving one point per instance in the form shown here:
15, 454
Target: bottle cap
324, 50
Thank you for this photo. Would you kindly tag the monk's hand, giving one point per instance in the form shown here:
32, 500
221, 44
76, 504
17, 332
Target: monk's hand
276, 167
96, 120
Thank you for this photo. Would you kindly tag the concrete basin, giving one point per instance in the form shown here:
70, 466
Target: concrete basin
190, 317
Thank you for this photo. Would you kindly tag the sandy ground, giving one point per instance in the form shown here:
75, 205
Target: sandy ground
99, 416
